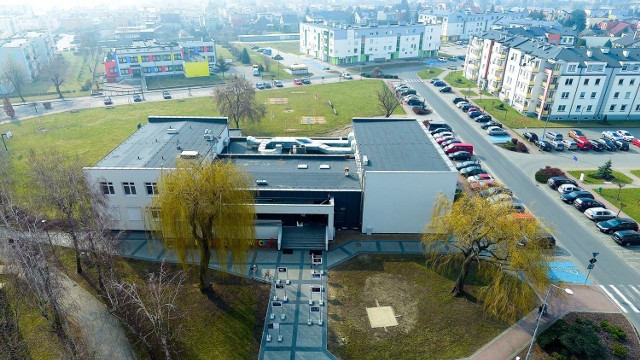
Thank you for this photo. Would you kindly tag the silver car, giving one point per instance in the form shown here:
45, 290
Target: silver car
570, 145
558, 145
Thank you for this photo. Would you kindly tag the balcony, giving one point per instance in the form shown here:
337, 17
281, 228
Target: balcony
531, 82
495, 89
550, 86
502, 56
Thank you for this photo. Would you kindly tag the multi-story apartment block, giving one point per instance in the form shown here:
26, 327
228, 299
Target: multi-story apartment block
458, 25
30, 51
555, 82
191, 58
347, 44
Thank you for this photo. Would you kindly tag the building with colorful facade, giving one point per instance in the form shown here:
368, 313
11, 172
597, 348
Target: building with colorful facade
190, 58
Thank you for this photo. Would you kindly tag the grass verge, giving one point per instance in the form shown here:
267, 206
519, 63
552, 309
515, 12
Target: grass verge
636, 173
291, 47
513, 118
590, 177
468, 93
430, 73
629, 197
164, 82
227, 325
258, 58
430, 320
456, 79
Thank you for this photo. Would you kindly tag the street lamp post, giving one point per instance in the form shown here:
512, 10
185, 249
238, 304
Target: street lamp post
8, 135
542, 311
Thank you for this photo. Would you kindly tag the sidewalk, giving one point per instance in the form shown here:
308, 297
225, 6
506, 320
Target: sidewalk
518, 337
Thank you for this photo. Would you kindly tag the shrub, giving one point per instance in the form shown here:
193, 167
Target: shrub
620, 351
86, 86
543, 175
616, 331
500, 106
520, 147
551, 335
508, 145
581, 339
514, 141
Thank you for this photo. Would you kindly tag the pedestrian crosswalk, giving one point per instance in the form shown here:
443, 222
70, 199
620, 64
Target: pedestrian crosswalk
626, 297
413, 80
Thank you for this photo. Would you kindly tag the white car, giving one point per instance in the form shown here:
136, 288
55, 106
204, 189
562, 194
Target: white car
599, 214
567, 188
570, 145
496, 131
462, 103
347, 76
625, 135
443, 134
401, 85
610, 135
442, 59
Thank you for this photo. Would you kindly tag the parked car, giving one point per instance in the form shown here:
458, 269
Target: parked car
267, 85
473, 170
567, 188
544, 145
166, 95
446, 89
464, 164
480, 177
277, 57
489, 124
433, 125
442, 59
482, 119
596, 145
453, 58
346, 75
137, 98
306, 81
635, 142
494, 191
460, 104
552, 135
108, 101
622, 145
439, 130
451, 67
401, 86
278, 83
507, 200
260, 86
613, 136
583, 143
617, 224
449, 142
434, 80
556, 181
440, 140
576, 134
460, 155
583, 204
598, 214
558, 145
572, 196
474, 114
458, 99
530, 136
625, 135
496, 131
443, 134
570, 145
297, 82
414, 101
439, 84
408, 92
626, 237
421, 109
607, 144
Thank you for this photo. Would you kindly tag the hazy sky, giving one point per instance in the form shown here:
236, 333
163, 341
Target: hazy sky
47, 4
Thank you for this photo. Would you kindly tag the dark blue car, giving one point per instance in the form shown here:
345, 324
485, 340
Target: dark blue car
474, 114
439, 83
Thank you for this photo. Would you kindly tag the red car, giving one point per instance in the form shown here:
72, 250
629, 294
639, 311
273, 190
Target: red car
297, 82
635, 142
440, 140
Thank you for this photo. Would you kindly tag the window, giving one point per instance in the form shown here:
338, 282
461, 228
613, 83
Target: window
578, 107
568, 82
152, 188
561, 108
177, 56
637, 107
589, 107
145, 58
616, 95
157, 58
612, 107
582, 95
166, 57
627, 94
595, 68
621, 82
586, 81
572, 68
593, 95
597, 81
632, 81
623, 108
565, 95
129, 188
107, 188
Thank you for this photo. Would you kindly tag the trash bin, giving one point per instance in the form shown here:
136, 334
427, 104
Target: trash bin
599, 189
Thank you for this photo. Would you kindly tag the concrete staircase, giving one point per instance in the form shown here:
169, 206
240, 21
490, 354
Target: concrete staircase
303, 237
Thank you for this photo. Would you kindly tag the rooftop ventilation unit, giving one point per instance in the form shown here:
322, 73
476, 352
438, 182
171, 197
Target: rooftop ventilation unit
589, 53
208, 135
325, 167
172, 131
604, 50
261, 182
365, 160
303, 166
189, 154
625, 53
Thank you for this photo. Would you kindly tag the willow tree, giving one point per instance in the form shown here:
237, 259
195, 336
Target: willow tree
208, 206
506, 249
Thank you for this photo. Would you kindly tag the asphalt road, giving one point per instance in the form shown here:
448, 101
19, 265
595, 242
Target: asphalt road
576, 239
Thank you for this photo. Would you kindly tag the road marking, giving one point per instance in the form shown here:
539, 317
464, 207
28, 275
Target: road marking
624, 298
615, 301
634, 289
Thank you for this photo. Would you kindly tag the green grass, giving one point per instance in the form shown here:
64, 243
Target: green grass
468, 93
91, 134
163, 82
629, 196
430, 73
258, 58
636, 173
513, 118
618, 177
455, 79
291, 47
431, 321
224, 53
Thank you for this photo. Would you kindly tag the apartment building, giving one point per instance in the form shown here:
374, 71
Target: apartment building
31, 51
556, 82
347, 44
191, 58
458, 25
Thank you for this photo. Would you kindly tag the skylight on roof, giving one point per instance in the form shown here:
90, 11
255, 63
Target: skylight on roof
303, 166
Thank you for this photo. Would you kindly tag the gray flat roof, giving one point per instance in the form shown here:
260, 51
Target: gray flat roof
152, 146
396, 145
281, 172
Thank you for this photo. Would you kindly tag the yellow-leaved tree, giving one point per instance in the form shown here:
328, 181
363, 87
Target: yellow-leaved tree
208, 206
508, 252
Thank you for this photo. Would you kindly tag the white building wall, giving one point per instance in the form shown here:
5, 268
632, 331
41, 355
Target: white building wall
392, 203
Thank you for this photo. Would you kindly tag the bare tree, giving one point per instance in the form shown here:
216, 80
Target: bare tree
237, 100
11, 73
267, 63
387, 101
59, 73
8, 108
151, 311
12, 345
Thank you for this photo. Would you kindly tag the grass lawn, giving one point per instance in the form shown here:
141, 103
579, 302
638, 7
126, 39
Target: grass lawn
513, 118
618, 177
258, 58
431, 322
456, 79
468, 93
91, 134
636, 173
629, 196
161, 82
226, 326
430, 73
291, 47
224, 53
